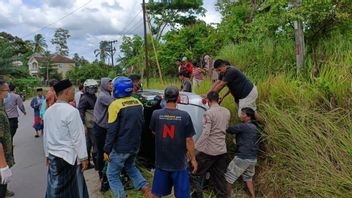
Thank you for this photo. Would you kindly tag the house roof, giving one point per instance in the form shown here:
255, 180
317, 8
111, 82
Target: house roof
56, 58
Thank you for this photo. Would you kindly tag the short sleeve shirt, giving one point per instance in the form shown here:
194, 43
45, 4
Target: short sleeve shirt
171, 128
239, 85
186, 86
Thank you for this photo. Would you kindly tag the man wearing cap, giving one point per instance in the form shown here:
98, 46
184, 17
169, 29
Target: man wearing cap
36, 104
65, 146
173, 131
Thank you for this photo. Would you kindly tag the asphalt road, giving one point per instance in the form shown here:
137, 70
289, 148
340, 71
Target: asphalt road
29, 172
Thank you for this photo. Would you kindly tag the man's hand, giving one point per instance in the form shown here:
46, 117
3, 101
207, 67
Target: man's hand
84, 165
6, 175
106, 157
46, 161
194, 166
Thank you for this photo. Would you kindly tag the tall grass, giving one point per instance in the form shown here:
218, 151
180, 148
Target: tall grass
308, 132
307, 138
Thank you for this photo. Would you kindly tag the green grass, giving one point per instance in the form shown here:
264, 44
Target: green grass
307, 140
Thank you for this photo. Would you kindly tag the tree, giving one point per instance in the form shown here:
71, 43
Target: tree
13, 48
103, 52
47, 70
79, 61
133, 54
60, 41
94, 71
173, 13
39, 44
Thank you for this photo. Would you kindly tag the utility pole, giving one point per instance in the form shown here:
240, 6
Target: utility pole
112, 51
299, 39
145, 43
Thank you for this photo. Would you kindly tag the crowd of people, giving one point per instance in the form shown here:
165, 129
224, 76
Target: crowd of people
101, 127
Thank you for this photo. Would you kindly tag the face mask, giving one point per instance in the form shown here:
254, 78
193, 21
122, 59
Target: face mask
7, 99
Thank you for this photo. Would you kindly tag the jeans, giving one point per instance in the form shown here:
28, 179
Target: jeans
3, 189
117, 162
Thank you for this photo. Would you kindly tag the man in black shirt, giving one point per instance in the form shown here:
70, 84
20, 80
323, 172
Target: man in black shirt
186, 85
173, 131
247, 138
241, 88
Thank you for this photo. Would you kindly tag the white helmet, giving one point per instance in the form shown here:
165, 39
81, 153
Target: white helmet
184, 58
90, 82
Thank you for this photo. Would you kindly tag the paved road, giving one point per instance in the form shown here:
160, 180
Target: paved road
29, 173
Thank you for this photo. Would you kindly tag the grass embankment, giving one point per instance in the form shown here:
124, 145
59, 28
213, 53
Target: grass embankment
307, 140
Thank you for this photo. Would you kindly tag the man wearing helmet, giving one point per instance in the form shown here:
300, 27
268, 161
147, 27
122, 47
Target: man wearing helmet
125, 119
86, 107
173, 131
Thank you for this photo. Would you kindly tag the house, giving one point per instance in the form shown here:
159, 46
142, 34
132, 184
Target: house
62, 63
17, 63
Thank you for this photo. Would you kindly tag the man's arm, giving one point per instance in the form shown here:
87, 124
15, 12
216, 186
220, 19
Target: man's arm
33, 103
206, 130
106, 100
20, 105
219, 86
192, 153
110, 136
82, 106
114, 124
235, 129
3, 162
76, 131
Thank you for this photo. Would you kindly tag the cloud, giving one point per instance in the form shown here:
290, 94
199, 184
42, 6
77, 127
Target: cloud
59, 3
114, 6
88, 22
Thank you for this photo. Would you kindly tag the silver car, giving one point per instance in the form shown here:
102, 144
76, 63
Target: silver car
192, 103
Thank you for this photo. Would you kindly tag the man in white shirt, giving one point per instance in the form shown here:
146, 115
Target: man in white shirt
65, 146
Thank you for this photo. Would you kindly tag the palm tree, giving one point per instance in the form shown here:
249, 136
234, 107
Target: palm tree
103, 51
39, 44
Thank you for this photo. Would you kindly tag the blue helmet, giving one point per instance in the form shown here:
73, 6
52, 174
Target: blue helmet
123, 87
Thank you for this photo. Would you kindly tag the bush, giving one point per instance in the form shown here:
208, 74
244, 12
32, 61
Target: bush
26, 85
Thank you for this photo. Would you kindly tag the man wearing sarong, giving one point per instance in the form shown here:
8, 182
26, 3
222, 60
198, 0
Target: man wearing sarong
65, 146
36, 104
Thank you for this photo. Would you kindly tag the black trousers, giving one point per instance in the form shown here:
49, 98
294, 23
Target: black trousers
216, 166
13, 126
3, 189
91, 145
100, 136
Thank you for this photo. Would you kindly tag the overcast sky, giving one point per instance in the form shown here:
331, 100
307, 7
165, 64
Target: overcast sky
89, 21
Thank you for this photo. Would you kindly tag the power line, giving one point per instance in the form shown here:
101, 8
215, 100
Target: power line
134, 27
65, 16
